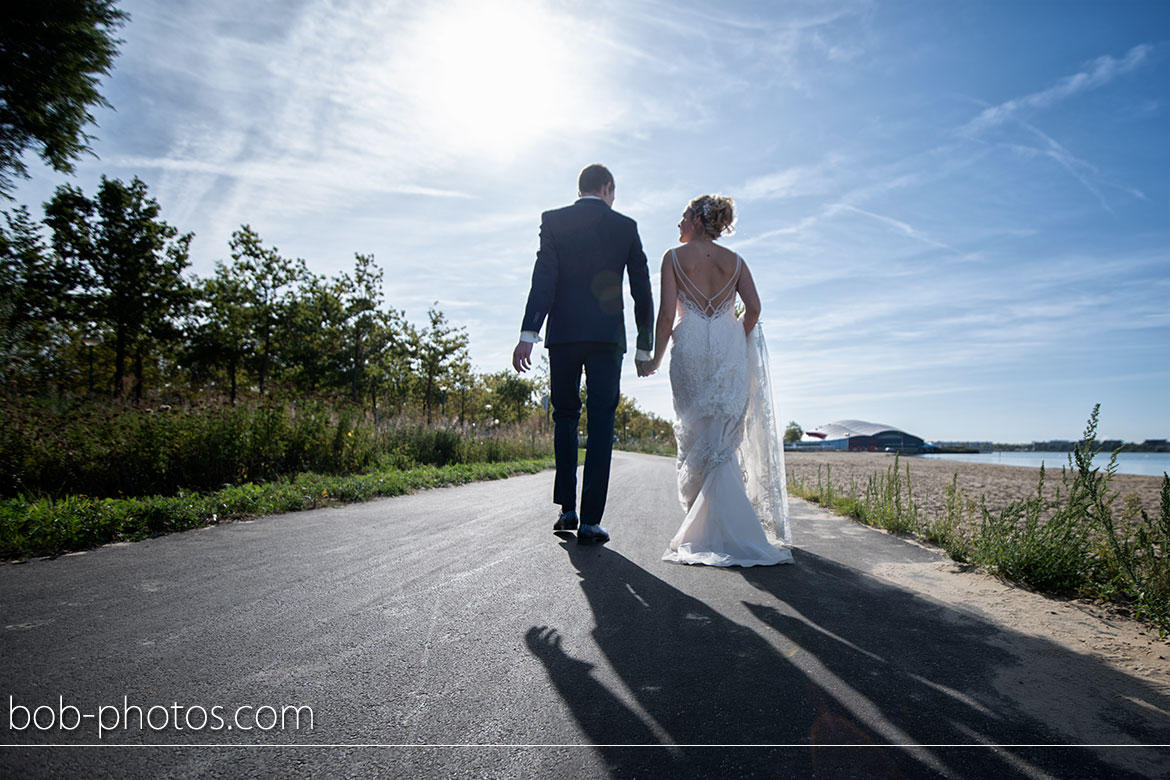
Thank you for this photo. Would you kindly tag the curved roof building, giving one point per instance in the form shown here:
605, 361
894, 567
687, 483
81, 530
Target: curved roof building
861, 435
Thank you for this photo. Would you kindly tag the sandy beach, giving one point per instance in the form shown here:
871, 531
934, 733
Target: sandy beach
998, 485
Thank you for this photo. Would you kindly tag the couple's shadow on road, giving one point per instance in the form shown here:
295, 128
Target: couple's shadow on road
840, 658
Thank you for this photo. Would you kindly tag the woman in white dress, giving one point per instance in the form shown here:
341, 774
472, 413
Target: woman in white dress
730, 462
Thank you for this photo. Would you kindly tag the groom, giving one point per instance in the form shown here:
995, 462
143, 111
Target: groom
577, 285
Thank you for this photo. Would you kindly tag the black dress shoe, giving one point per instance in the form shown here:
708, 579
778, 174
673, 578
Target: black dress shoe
566, 522
592, 534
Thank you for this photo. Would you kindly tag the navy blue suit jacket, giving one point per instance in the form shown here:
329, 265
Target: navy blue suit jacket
577, 281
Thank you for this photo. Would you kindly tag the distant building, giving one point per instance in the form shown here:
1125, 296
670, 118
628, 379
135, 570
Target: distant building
859, 435
974, 446
1054, 445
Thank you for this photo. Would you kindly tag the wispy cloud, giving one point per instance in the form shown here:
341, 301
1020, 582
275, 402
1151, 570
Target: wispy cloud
276, 173
794, 181
898, 225
1096, 73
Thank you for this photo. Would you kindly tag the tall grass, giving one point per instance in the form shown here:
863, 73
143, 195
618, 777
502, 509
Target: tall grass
80, 475
111, 450
1072, 543
886, 501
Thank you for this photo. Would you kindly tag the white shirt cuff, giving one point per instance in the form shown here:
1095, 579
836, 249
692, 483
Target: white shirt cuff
531, 336
643, 355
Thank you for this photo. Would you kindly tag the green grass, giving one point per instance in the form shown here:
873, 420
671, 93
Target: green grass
48, 526
1069, 544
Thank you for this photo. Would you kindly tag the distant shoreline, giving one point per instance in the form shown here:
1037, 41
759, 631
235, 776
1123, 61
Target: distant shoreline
1143, 464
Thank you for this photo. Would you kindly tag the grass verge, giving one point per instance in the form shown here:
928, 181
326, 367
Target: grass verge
49, 526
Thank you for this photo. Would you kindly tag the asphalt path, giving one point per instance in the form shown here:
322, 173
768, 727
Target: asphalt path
451, 634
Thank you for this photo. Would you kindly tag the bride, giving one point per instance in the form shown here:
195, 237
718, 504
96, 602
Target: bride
730, 462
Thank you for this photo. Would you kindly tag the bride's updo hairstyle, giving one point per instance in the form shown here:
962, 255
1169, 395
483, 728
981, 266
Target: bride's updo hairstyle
717, 213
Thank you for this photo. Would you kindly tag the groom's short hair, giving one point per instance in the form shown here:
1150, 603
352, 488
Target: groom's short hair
593, 178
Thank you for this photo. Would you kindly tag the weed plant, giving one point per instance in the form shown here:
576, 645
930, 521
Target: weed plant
1044, 543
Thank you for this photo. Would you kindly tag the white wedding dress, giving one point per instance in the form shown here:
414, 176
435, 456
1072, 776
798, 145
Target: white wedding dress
731, 476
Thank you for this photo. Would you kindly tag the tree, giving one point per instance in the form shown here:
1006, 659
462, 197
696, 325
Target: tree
219, 336
632, 425
52, 55
267, 278
36, 301
313, 334
390, 372
793, 433
438, 349
363, 298
131, 262
512, 393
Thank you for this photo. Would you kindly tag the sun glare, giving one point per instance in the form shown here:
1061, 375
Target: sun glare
489, 78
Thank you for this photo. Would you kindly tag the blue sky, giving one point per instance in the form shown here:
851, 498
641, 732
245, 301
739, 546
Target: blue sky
958, 213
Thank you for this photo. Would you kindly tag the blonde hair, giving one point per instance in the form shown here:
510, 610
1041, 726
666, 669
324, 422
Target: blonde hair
716, 212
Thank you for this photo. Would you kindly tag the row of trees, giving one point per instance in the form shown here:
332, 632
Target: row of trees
96, 299
108, 294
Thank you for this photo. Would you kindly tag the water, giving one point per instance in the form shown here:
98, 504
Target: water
1149, 464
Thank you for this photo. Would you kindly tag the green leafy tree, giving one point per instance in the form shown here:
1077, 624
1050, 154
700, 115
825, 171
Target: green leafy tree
513, 395
793, 432
52, 56
391, 369
363, 298
633, 424
268, 280
386, 344
132, 263
464, 387
37, 307
440, 349
219, 334
313, 327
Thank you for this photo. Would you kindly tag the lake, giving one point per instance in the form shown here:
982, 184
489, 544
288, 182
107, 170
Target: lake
1149, 464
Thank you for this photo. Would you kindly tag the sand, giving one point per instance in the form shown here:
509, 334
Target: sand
1105, 632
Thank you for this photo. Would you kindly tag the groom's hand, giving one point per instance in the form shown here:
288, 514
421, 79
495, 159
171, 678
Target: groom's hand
522, 356
645, 367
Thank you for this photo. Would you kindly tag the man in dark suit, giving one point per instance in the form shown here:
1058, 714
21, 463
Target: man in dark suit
577, 285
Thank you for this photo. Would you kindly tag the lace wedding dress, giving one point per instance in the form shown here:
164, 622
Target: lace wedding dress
730, 463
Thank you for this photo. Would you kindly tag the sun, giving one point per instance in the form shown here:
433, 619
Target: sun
490, 78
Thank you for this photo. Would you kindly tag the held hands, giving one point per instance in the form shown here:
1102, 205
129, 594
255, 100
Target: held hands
646, 367
522, 356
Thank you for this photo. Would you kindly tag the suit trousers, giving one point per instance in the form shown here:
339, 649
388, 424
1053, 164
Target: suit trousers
602, 364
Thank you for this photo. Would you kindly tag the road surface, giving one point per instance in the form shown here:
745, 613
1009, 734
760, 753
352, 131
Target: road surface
454, 635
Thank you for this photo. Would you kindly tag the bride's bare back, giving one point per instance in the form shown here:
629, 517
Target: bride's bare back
708, 274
